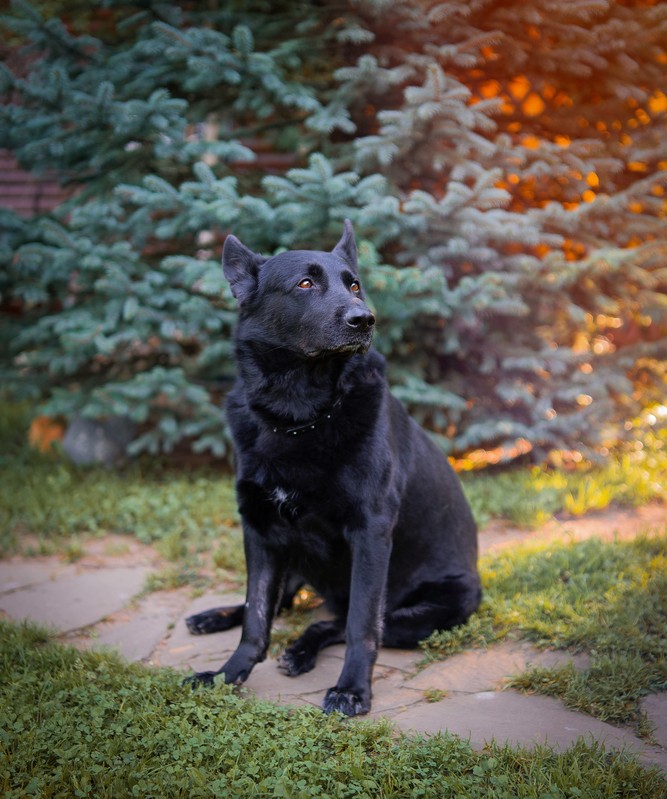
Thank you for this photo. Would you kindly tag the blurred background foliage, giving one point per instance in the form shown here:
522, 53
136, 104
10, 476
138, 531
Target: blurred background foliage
504, 166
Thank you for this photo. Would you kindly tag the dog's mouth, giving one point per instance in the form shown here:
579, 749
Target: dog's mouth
353, 348
346, 342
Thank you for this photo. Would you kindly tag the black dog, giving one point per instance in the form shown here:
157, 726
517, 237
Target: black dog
337, 485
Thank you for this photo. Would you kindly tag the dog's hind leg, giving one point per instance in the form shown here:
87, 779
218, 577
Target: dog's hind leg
300, 657
432, 606
217, 620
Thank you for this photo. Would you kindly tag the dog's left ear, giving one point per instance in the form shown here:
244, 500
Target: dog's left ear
347, 247
241, 268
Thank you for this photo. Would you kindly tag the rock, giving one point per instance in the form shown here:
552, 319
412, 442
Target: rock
89, 441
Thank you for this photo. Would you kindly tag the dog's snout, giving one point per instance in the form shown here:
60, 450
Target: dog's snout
359, 318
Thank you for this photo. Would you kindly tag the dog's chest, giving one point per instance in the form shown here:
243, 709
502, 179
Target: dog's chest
285, 502
302, 512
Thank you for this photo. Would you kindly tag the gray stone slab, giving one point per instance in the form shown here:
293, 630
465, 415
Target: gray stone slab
483, 669
391, 696
655, 707
75, 601
404, 660
182, 650
267, 681
136, 639
135, 633
21, 574
514, 718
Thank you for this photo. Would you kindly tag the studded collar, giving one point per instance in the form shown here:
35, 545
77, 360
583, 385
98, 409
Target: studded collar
298, 430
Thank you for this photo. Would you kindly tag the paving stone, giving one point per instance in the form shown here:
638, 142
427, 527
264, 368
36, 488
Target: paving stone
75, 601
16, 574
655, 707
653, 756
136, 633
511, 717
483, 669
136, 639
181, 649
405, 660
390, 695
267, 681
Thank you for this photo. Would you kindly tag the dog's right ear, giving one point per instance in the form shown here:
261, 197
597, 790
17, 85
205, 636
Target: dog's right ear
241, 268
346, 249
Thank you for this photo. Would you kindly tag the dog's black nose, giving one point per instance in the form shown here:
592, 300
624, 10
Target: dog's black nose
359, 318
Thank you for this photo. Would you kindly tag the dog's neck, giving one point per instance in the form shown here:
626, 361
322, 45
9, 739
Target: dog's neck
290, 393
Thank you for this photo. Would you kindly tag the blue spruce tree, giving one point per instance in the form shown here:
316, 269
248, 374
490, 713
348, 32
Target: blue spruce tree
503, 164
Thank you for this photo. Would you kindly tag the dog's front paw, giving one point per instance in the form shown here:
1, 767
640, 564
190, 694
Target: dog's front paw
295, 661
347, 702
200, 678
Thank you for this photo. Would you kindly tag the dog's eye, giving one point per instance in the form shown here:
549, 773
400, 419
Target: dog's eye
306, 283
355, 286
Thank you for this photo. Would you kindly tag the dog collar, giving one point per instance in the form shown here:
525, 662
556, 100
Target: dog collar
304, 428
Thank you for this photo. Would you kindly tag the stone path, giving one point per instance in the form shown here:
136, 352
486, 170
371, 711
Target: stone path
95, 602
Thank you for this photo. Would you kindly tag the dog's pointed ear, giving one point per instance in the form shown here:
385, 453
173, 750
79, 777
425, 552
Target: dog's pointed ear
241, 268
347, 246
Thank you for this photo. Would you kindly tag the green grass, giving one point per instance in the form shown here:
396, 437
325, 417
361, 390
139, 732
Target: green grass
607, 599
193, 511
76, 724
530, 497
50, 500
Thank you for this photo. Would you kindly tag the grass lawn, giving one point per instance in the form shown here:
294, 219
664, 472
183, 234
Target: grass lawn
86, 724
608, 599
53, 501
82, 724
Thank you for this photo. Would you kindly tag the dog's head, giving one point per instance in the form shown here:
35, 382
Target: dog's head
307, 301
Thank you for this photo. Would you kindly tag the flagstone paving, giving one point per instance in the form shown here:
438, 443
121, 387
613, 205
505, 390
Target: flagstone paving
98, 601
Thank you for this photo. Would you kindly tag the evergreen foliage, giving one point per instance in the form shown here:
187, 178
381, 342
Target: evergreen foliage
504, 166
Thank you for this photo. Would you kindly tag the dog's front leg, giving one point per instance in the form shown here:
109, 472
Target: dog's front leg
363, 631
266, 575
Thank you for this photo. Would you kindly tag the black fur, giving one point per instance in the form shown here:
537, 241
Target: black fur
337, 486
